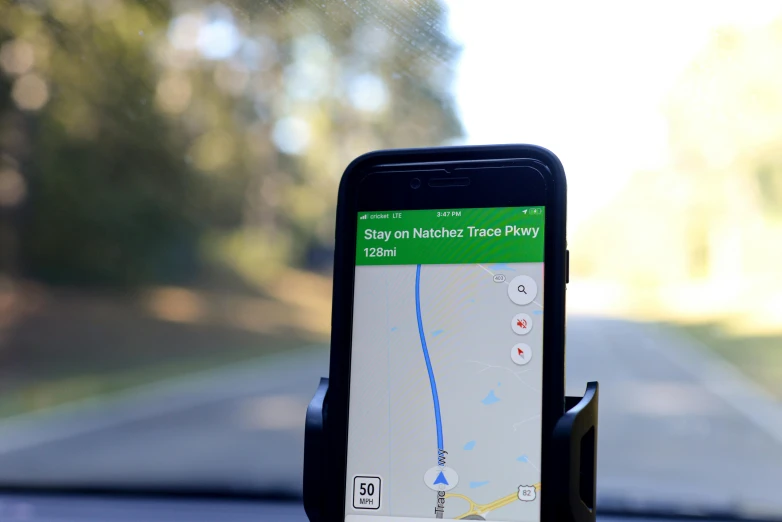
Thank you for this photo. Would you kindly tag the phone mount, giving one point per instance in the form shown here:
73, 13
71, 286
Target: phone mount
574, 477
570, 487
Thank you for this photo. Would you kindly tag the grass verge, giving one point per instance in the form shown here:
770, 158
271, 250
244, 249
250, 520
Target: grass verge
758, 356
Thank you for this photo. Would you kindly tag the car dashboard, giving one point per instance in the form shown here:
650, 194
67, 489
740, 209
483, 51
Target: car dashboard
104, 508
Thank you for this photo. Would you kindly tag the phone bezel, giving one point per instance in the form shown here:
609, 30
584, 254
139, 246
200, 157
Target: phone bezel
491, 185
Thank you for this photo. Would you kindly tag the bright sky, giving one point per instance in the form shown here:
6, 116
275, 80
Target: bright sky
587, 80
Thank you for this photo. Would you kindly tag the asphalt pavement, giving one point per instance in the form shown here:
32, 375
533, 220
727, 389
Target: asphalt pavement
678, 426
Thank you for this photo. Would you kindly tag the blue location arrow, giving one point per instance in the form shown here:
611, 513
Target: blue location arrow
440, 479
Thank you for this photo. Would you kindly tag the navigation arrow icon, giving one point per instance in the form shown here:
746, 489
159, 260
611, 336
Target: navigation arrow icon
521, 353
440, 479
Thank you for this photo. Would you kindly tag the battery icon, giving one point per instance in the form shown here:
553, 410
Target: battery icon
536, 211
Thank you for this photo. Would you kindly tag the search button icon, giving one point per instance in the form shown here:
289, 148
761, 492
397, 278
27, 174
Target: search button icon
522, 290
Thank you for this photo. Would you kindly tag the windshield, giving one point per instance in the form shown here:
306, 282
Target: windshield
168, 180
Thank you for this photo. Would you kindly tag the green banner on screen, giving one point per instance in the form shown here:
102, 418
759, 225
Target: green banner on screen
451, 236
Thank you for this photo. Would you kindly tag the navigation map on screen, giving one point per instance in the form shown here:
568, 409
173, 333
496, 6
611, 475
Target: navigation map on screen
446, 369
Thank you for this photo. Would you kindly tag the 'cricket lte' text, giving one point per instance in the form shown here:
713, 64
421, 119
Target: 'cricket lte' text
438, 233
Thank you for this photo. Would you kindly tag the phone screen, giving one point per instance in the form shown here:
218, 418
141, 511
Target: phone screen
447, 365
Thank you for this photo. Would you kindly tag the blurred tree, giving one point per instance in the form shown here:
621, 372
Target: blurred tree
142, 139
709, 218
108, 198
725, 118
725, 129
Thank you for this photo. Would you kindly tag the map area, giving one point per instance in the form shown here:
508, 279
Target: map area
445, 396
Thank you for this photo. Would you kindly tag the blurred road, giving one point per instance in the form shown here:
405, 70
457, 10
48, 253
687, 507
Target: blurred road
239, 427
677, 426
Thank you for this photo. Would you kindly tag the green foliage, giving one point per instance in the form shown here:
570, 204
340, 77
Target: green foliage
150, 152
769, 179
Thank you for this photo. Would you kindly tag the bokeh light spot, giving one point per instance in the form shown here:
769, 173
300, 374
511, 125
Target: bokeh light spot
30, 92
213, 150
13, 188
218, 40
17, 57
291, 135
183, 31
173, 93
367, 92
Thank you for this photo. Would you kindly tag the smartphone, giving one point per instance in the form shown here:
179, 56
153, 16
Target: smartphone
446, 375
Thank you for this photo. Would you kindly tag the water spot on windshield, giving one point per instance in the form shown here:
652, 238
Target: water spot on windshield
437, 332
470, 445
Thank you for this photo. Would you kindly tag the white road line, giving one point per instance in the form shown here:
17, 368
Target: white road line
515, 424
515, 374
173, 395
489, 271
533, 465
492, 366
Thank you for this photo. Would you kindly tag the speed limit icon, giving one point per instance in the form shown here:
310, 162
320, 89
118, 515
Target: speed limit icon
366, 492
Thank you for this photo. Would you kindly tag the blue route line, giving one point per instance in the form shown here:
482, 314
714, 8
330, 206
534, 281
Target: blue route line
435, 397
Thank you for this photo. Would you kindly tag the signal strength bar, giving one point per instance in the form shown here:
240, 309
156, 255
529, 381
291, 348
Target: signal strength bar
365, 216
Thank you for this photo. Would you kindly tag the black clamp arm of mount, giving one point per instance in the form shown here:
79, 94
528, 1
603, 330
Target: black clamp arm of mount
575, 444
572, 487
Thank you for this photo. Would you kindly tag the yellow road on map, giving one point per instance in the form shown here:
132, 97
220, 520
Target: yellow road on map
480, 509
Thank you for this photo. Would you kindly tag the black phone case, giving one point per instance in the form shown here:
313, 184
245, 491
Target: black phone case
336, 432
